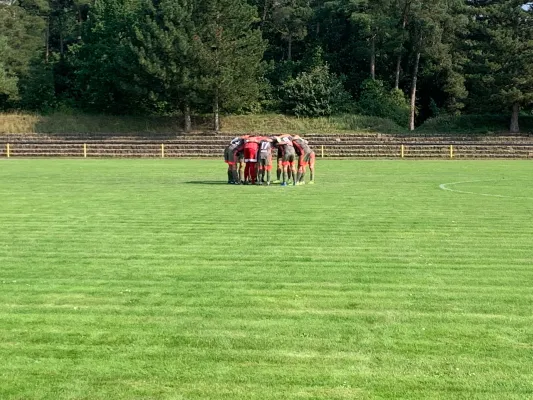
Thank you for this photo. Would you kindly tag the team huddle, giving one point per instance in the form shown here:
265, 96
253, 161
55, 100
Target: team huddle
249, 160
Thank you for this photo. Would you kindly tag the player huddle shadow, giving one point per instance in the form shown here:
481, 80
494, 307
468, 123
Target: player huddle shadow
207, 183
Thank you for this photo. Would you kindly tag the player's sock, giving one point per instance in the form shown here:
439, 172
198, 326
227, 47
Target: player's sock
313, 175
278, 172
230, 176
247, 172
300, 176
268, 177
235, 176
253, 176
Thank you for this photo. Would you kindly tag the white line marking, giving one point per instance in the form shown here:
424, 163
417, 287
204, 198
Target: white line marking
444, 186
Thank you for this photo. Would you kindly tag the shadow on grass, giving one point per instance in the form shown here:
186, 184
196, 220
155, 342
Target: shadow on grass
207, 183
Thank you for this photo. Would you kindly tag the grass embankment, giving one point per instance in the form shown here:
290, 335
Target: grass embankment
473, 125
83, 123
153, 279
63, 123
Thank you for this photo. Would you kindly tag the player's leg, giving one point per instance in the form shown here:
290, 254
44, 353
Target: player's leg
285, 167
260, 170
234, 173
301, 170
253, 173
312, 167
240, 167
227, 160
268, 168
279, 170
293, 172
241, 172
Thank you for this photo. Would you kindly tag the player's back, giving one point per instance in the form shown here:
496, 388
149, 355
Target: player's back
301, 146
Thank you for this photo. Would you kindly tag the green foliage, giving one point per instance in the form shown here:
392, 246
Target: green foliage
107, 67
23, 37
376, 100
166, 57
8, 81
162, 45
229, 51
37, 88
500, 55
484, 124
289, 20
315, 93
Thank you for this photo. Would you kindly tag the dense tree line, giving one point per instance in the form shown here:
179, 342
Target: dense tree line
406, 60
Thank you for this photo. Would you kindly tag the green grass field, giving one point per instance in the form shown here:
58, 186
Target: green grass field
152, 279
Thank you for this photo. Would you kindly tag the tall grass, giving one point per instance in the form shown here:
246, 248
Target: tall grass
73, 123
61, 123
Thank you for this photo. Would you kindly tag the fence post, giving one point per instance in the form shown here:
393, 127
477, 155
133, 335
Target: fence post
84, 150
8, 150
162, 150
322, 151
451, 151
403, 150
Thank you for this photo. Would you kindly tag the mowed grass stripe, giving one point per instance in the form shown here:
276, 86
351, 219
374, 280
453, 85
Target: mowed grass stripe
138, 279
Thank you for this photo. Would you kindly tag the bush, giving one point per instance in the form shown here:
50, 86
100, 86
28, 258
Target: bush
315, 93
377, 101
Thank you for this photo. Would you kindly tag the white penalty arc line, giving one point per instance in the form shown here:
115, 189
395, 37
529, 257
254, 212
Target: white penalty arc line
444, 186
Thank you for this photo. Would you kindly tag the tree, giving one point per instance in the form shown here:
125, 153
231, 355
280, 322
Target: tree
23, 35
402, 8
107, 68
374, 21
163, 45
8, 82
432, 28
289, 19
229, 52
376, 100
501, 54
315, 93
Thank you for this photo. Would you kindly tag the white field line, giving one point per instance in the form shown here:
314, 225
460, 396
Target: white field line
444, 186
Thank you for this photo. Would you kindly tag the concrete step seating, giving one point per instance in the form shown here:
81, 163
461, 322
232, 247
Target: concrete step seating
212, 146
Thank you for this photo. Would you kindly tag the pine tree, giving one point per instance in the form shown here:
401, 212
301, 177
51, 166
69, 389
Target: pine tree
229, 52
162, 43
501, 54
107, 68
289, 20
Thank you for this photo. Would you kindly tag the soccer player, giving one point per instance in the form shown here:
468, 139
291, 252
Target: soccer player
230, 158
306, 156
279, 157
288, 155
251, 147
265, 160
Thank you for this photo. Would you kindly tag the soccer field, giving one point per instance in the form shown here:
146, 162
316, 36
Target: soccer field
153, 279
